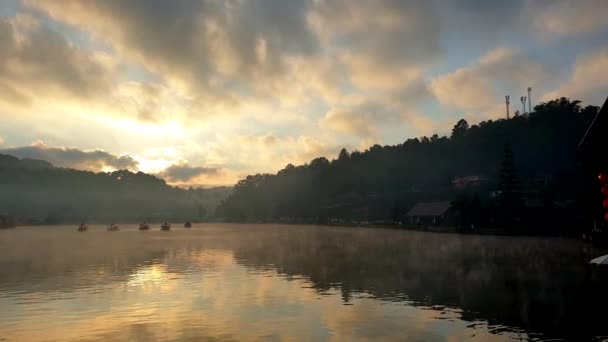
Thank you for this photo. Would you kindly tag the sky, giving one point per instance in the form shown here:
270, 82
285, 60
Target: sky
203, 93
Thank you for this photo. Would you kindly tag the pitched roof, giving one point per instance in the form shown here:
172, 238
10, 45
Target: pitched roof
429, 209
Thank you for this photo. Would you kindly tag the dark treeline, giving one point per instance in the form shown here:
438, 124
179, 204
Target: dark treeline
526, 161
34, 191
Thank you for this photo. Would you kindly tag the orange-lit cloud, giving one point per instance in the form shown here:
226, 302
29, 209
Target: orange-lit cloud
587, 81
95, 160
249, 86
481, 87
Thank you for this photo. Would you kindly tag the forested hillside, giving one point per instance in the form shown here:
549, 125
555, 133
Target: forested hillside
384, 181
35, 191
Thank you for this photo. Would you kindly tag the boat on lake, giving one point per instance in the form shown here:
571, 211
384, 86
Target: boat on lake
7, 222
83, 227
144, 226
165, 226
188, 224
113, 227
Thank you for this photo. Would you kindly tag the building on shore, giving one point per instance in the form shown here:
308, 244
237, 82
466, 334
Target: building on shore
430, 213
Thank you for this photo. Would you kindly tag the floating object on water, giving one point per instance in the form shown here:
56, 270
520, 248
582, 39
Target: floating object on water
7, 222
188, 224
165, 226
112, 227
83, 227
602, 260
144, 226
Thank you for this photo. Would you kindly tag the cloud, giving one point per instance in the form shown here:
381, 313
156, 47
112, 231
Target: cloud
248, 86
95, 160
244, 154
587, 81
219, 55
481, 86
359, 120
37, 61
383, 43
367, 116
1, 140
183, 172
570, 17
214, 52
41, 71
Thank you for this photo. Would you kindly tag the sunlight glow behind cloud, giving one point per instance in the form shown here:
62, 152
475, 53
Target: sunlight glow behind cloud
249, 86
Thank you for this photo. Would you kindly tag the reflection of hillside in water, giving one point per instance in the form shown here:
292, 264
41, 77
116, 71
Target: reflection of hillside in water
62, 260
531, 283
537, 284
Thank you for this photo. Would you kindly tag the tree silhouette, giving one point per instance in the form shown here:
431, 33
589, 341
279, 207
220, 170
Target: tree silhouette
343, 155
510, 197
460, 129
374, 181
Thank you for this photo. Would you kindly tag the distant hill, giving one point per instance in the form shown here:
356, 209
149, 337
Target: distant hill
384, 181
10, 162
35, 191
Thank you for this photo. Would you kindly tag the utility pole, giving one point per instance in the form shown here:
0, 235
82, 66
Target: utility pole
507, 102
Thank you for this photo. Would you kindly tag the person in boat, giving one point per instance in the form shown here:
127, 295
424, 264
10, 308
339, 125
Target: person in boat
187, 224
82, 227
113, 227
144, 226
165, 226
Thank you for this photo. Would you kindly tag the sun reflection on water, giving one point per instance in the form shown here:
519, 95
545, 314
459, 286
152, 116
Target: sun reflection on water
192, 286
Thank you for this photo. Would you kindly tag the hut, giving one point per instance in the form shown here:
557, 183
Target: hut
429, 213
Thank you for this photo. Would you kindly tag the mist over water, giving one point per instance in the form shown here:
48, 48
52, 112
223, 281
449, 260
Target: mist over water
276, 282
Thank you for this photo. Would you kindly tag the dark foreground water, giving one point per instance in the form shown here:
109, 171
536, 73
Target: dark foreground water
296, 283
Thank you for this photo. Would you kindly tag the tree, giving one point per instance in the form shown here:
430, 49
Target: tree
344, 155
422, 169
510, 198
460, 129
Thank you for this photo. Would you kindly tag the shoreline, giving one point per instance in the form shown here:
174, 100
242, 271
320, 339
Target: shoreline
428, 229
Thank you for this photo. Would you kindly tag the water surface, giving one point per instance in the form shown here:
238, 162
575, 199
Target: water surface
298, 283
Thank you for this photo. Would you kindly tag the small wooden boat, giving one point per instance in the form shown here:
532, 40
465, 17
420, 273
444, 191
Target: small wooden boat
7, 222
113, 227
83, 227
144, 226
165, 226
188, 224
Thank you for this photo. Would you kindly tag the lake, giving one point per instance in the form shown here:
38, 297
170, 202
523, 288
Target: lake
229, 282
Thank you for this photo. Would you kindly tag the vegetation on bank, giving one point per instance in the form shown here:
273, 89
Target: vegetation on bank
526, 169
36, 192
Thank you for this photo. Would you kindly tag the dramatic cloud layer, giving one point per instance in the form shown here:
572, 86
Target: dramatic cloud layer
36, 60
571, 18
185, 172
73, 157
587, 82
208, 91
480, 86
